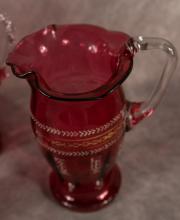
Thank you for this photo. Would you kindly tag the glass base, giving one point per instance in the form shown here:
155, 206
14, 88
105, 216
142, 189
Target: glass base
89, 197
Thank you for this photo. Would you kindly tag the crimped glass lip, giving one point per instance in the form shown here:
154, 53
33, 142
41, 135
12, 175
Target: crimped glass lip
118, 75
96, 94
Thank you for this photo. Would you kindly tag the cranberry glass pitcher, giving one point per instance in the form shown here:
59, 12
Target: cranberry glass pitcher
79, 112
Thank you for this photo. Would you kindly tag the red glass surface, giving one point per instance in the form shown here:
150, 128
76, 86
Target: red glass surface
80, 139
89, 197
82, 156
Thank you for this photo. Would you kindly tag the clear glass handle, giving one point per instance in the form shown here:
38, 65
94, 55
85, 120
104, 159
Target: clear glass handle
140, 110
6, 42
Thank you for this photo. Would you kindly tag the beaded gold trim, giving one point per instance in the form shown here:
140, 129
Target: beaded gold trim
82, 142
80, 133
78, 153
66, 143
